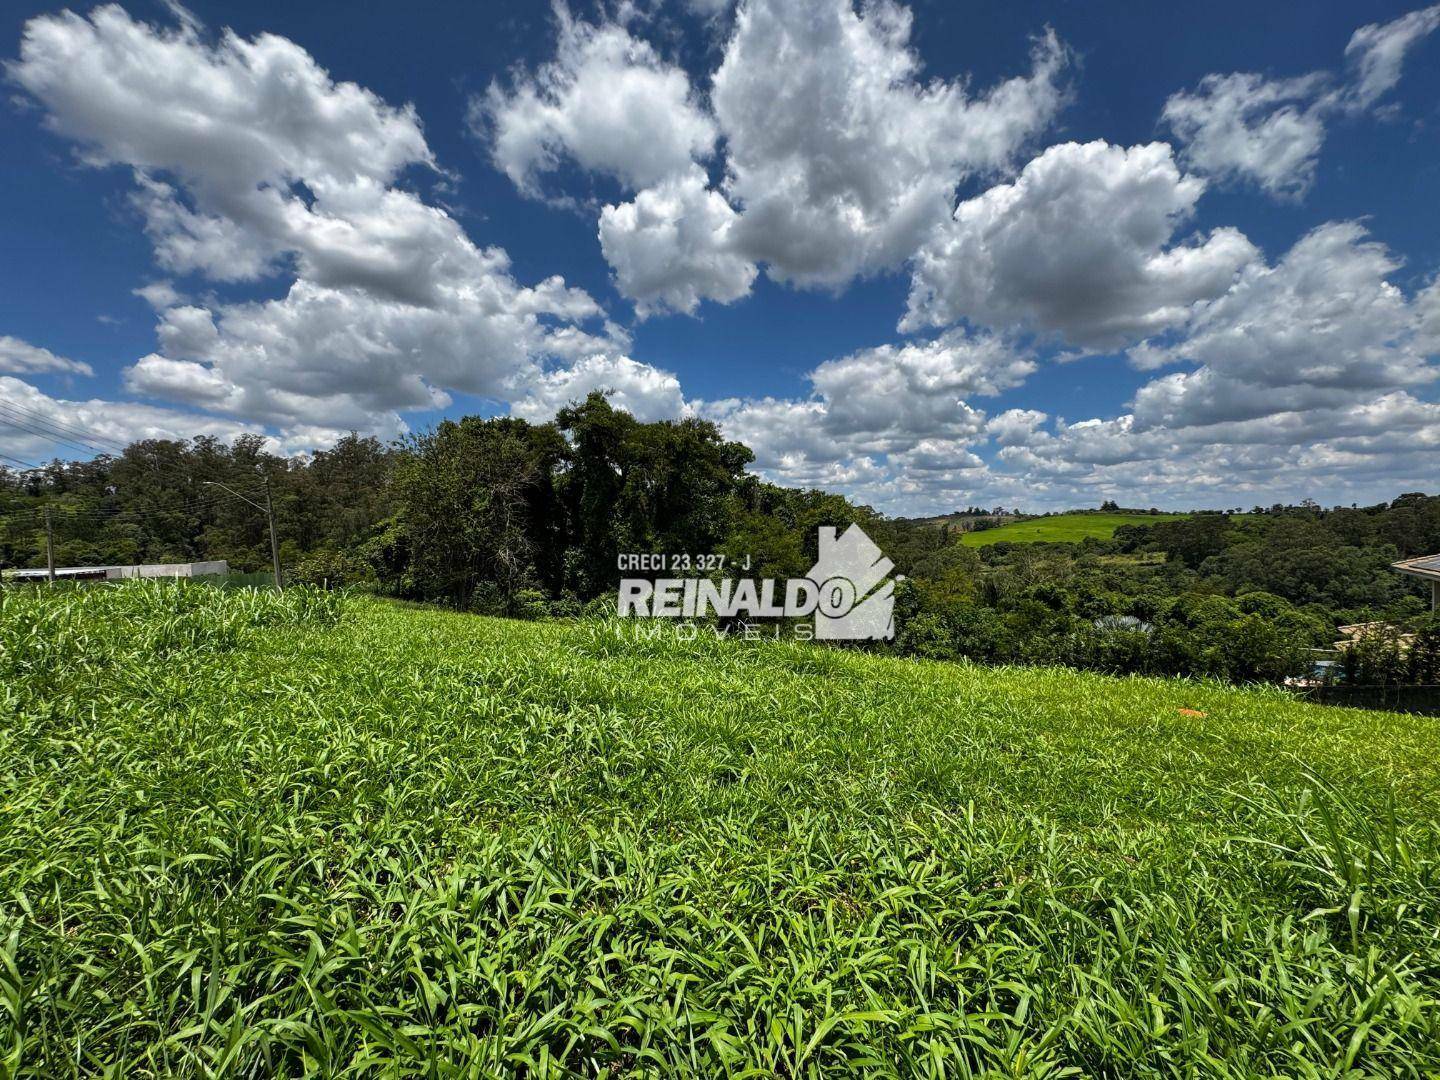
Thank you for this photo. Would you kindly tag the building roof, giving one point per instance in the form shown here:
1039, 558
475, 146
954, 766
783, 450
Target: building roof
60, 571
129, 570
1427, 566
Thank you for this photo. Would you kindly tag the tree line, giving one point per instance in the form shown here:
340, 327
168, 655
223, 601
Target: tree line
1257, 596
491, 515
509, 517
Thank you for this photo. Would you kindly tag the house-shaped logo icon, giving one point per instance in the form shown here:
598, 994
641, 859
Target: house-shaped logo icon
857, 596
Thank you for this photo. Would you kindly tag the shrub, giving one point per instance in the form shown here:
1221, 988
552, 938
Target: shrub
332, 569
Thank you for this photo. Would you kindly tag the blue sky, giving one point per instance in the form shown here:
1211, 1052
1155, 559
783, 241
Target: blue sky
1036, 253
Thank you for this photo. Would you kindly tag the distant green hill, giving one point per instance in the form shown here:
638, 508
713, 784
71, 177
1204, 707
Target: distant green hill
1061, 529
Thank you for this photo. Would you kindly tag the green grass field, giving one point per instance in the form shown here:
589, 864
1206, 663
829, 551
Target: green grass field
250, 835
1061, 529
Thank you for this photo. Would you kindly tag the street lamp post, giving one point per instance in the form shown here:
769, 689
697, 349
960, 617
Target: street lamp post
269, 509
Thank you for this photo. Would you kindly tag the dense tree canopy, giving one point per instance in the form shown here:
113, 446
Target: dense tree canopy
158, 502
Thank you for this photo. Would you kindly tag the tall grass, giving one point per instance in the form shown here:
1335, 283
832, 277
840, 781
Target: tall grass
411, 842
47, 632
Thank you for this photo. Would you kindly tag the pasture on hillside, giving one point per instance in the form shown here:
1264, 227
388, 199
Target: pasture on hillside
250, 834
1061, 528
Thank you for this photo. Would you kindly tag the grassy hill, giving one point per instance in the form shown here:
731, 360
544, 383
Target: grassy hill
250, 835
1061, 528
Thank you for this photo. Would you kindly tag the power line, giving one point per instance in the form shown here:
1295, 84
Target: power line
69, 432
20, 416
152, 511
34, 428
60, 423
34, 422
98, 514
61, 444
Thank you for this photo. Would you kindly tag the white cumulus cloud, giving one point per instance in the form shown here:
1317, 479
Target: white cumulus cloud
1319, 329
251, 161
607, 101
673, 246
839, 153
1081, 244
1244, 126
1247, 127
646, 392
21, 358
834, 155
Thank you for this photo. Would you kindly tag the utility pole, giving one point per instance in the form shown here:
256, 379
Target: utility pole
274, 543
269, 509
49, 546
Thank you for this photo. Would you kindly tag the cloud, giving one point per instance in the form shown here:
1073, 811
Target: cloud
22, 358
672, 247
345, 358
835, 155
918, 389
113, 421
838, 154
1079, 245
1319, 327
646, 392
267, 111
1246, 127
188, 381
895, 415
607, 101
835, 159
1016, 427
250, 161
160, 295
1377, 51
242, 124
1351, 451
1308, 383
1303, 378
822, 153
906, 437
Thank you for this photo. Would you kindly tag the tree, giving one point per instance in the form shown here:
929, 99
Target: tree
667, 486
475, 501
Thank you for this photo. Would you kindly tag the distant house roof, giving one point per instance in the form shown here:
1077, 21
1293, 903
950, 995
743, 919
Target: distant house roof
1356, 633
1427, 566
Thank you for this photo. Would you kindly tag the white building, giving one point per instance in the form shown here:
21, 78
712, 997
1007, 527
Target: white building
120, 573
1428, 568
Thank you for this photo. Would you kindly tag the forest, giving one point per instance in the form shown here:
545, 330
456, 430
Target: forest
507, 517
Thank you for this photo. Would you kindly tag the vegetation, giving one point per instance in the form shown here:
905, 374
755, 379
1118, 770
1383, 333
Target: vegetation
1337, 559
506, 517
253, 835
1385, 654
1060, 528
1242, 597
157, 502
